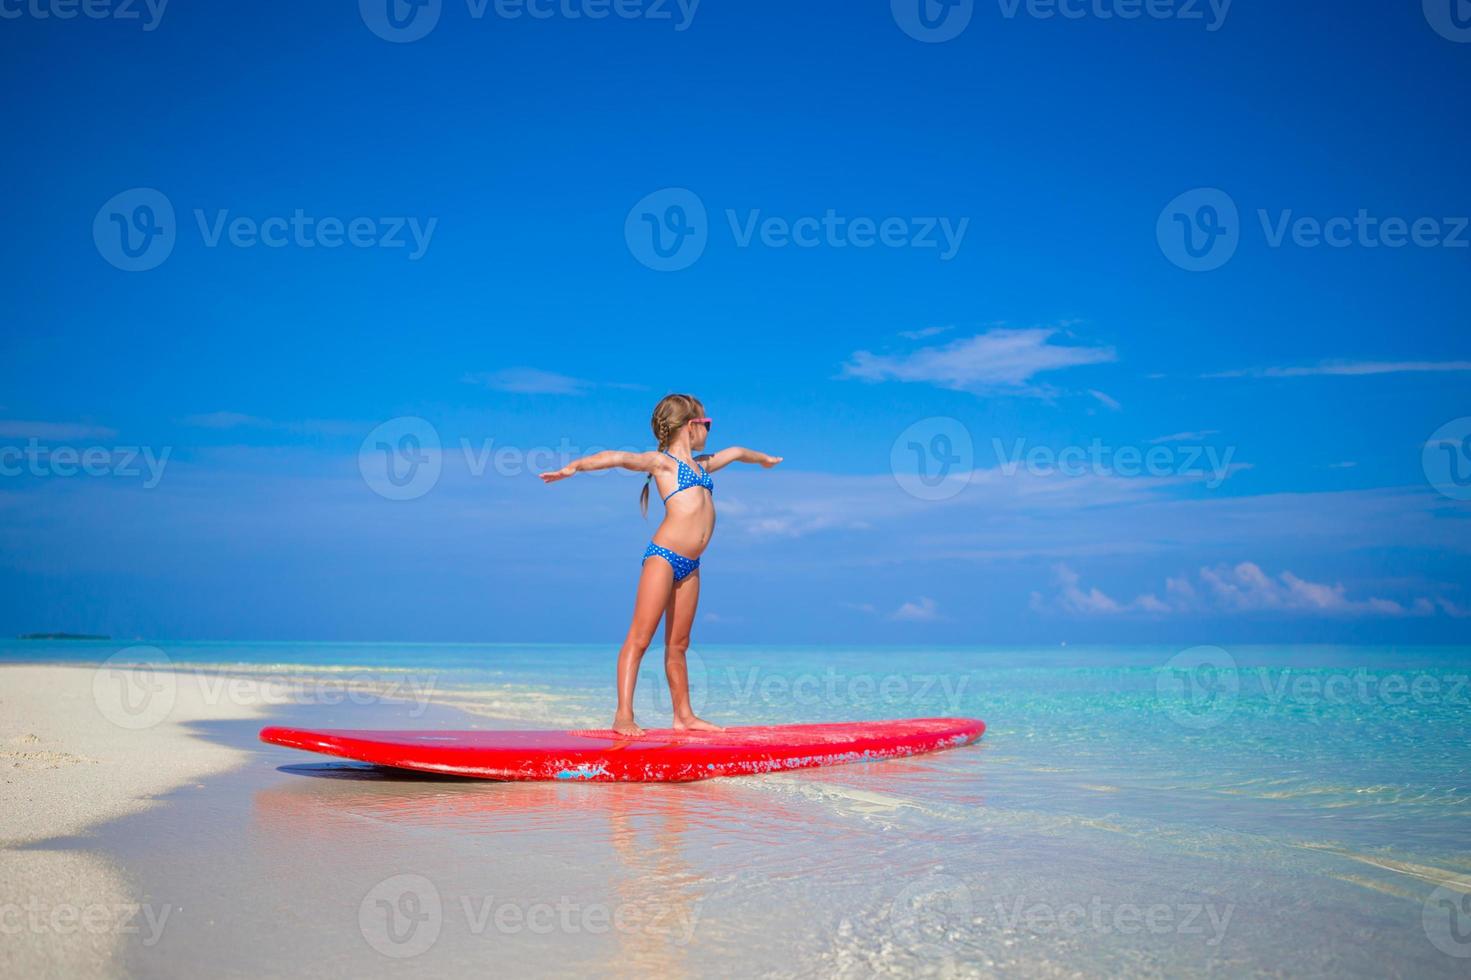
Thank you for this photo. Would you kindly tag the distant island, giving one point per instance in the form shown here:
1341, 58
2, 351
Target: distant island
62, 636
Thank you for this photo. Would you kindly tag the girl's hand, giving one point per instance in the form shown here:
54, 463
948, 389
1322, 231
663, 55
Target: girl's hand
554, 475
769, 461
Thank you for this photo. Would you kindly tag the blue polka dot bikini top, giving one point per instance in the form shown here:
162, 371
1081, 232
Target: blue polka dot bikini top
687, 477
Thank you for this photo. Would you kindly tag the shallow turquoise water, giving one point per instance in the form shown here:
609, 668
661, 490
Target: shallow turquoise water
1130, 810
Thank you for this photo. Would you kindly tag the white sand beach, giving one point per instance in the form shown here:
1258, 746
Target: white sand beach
68, 766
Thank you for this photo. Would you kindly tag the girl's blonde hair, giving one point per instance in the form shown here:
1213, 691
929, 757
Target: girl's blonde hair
671, 414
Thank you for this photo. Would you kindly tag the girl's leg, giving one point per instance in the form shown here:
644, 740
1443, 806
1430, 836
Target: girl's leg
653, 589
679, 616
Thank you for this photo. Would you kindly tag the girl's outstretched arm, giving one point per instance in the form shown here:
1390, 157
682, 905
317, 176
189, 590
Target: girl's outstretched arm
638, 462
736, 454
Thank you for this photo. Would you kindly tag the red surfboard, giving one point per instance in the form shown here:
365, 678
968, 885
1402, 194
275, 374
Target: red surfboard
658, 755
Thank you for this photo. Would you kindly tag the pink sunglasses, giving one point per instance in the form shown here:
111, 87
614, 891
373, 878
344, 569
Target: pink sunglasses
706, 422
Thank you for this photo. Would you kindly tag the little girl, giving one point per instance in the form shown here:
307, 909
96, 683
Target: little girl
670, 585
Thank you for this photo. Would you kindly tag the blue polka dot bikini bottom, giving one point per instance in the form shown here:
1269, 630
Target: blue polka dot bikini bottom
682, 566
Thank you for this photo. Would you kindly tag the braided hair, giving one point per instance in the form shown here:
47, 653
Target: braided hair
671, 414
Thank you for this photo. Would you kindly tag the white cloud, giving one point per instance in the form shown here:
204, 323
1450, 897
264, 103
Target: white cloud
1002, 512
1246, 587
1453, 609
922, 333
999, 361
1072, 597
1243, 587
534, 381
240, 420
22, 429
529, 381
1105, 400
923, 610
1346, 369
1184, 436
227, 420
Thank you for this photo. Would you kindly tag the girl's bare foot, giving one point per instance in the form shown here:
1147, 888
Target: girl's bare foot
693, 724
626, 726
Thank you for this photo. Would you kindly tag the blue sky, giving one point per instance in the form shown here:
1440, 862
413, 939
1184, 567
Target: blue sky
1032, 177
